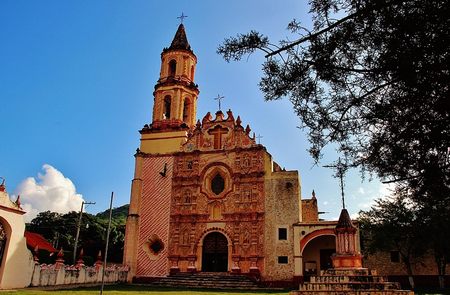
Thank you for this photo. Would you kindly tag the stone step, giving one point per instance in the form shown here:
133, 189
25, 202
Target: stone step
347, 272
350, 281
214, 278
346, 279
349, 286
363, 292
207, 280
207, 286
223, 283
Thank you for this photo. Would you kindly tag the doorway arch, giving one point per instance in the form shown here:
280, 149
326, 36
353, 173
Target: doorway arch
316, 253
215, 252
5, 235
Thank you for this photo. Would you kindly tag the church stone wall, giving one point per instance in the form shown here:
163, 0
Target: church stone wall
382, 263
282, 211
154, 224
309, 210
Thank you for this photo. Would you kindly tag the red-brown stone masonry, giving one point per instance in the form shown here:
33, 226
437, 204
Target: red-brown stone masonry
154, 214
309, 210
242, 207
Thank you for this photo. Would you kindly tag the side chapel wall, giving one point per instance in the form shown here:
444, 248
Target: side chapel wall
282, 201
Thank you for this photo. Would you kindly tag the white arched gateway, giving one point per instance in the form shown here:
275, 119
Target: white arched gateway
16, 261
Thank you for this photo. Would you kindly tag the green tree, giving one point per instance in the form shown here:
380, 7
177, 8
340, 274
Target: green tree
61, 229
395, 224
433, 197
371, 77
375, 82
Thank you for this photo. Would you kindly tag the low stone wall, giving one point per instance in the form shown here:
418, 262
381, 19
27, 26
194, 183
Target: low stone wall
59, 274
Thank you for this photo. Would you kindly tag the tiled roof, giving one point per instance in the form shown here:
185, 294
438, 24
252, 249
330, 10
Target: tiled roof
180, 40
34, 239
344, 220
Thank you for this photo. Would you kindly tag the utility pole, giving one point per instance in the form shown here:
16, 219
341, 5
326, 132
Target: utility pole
78, 230
107, 243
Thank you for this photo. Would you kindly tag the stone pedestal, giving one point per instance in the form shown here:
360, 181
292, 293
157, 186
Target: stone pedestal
174, 268
191, 267
347, 261
235, 269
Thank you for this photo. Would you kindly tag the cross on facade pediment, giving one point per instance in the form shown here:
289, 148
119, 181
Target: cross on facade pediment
217, 132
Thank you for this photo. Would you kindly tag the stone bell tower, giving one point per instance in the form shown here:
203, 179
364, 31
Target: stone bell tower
175, 93
174, 114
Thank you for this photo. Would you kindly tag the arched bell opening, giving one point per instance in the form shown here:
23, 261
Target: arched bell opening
167, 107
172, 68
187, 111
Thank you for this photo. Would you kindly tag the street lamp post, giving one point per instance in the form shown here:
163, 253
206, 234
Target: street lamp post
78, 230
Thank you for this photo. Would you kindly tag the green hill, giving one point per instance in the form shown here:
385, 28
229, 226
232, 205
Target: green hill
119, 214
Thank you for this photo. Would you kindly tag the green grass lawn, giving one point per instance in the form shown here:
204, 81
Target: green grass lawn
136, 290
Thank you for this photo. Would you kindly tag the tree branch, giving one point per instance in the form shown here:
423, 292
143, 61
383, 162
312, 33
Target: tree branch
311, 36
329, 28
343, 68
356, 99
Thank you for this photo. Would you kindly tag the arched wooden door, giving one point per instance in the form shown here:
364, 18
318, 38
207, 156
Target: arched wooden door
215, 253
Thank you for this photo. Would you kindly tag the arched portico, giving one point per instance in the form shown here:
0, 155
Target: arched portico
214, 251
316, 250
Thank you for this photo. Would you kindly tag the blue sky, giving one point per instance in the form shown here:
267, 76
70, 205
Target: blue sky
76, 83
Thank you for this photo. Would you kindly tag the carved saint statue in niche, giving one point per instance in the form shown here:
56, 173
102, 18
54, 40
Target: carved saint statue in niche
185, 236
187, 197
215, 210
246, 161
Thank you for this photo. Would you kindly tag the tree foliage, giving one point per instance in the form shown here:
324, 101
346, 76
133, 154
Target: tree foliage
372, 78
395, 224
375, 82
60, 229
410, 226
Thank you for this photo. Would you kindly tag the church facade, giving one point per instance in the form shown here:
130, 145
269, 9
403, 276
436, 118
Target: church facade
207, 198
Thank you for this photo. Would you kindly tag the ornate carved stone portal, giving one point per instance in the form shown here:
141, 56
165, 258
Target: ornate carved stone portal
218, 181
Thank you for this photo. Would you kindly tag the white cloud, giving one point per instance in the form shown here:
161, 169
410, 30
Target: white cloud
354, 216
361, 190
366, 205
382, 191
385, 189
50, 191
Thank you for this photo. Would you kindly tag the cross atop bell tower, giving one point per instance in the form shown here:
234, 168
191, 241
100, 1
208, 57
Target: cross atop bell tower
176, 94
